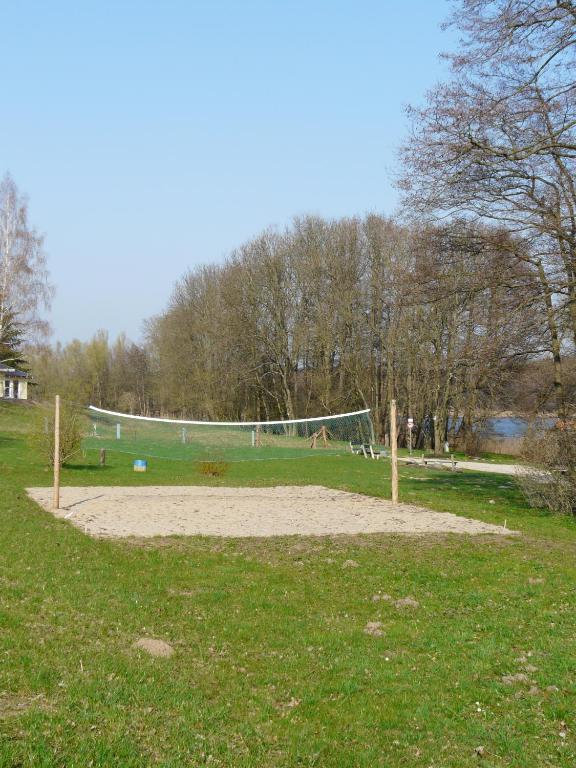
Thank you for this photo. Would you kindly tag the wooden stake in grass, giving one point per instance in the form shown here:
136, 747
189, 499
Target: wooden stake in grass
394, 451
56, 493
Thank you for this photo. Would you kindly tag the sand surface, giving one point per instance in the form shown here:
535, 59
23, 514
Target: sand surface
279, 511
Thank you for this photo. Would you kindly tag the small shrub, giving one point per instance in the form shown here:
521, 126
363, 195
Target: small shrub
468, 442
42, 437
213, 468
472, 443
550, 480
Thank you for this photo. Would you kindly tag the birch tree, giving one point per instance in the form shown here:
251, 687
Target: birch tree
24, 287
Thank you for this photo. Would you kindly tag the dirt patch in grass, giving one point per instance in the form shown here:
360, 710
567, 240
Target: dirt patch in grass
374, 628
13, 704
154, 646
407, 602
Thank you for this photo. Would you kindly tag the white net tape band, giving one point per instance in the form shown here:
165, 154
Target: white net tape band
227, 423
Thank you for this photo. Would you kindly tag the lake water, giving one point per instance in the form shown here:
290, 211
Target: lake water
512, 426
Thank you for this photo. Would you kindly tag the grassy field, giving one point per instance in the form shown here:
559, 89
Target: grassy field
272, 666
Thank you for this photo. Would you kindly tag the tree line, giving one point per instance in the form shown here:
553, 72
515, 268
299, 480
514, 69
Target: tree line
326, 317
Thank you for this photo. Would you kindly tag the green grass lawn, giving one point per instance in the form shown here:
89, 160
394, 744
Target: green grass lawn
272, 666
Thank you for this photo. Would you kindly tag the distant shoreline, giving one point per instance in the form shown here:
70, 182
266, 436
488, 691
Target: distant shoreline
513, 415
519, 415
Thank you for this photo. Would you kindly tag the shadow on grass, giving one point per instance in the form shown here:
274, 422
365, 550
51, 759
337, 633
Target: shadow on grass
5, 439
86, 468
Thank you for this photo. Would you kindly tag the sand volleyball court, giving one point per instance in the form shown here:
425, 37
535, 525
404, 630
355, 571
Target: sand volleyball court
278, 511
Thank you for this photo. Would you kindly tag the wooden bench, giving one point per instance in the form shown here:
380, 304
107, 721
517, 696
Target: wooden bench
367, 450
375, 453
433, 460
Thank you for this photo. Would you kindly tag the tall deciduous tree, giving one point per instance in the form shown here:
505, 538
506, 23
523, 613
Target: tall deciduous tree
498, 143
24, 287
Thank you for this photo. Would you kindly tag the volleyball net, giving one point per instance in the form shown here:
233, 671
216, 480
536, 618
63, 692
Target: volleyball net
233, 441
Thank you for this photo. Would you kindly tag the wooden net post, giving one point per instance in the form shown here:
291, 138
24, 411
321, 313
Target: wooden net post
394, 452
56, 489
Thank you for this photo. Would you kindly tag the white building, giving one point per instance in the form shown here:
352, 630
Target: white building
13, 383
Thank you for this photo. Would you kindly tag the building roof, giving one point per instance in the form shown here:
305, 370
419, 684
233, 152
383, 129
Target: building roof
6, 370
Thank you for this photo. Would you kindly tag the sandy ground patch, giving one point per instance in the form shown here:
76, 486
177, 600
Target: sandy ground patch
278, 511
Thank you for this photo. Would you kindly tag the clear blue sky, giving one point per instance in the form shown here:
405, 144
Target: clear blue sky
153, 136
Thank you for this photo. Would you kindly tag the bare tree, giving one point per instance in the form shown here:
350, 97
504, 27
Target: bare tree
24, 286
498, 143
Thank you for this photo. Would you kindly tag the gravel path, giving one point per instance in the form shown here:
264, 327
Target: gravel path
477, 466
500, 469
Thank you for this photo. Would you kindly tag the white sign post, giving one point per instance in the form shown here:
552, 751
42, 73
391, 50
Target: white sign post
410, 425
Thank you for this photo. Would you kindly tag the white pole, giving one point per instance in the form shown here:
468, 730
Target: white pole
184, 435
117, 431
253, 438
56, 489
394, 451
